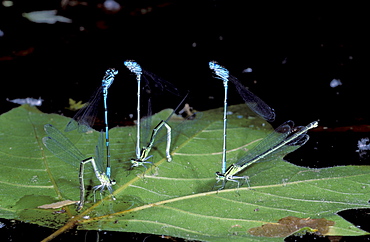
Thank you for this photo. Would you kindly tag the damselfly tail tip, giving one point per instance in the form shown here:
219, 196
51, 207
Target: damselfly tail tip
79, 206
314, 124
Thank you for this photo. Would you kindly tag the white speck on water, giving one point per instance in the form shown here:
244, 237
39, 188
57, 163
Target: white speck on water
247, 70
363, 144
30, 101
111, 5
284, 61
335, 83
46, 16
7, 3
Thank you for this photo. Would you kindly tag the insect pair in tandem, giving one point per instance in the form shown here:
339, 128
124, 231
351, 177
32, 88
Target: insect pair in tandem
283, 140
83, 121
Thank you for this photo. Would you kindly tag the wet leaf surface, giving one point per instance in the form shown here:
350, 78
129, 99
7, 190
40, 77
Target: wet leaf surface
173, 198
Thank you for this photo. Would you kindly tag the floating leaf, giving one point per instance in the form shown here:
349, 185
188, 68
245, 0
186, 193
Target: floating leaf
74, 106
173, 198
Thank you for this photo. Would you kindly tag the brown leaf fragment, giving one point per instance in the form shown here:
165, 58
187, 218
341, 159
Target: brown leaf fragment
57, 204
289, 225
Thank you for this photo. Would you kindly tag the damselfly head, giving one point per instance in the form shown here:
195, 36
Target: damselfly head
134, 162
111, 72
109, 77
220, 71
129, 63
213, 65
133, 66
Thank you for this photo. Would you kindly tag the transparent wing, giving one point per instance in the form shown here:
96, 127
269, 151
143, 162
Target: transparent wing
255, 103
61, 146
174, 130
100, 152
179, 128
286, 149
153, 82
146, 123
84, 119
273, 139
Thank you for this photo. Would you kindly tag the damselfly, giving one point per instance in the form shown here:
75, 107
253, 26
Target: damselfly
142, 151
64, 149
254, 102
283, 140
141, 160
85, 117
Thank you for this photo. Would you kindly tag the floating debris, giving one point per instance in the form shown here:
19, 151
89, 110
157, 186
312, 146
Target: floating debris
187, 111
7, 3
58, 204
30, 101
60, 211
247, 70
335, 83
74, 106
284, 61
363, 144
290, 225
46, 16
112, 6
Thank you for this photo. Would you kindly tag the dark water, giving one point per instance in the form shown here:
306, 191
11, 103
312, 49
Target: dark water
294, 52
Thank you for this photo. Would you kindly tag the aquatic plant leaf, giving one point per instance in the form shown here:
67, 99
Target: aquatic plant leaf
172, 198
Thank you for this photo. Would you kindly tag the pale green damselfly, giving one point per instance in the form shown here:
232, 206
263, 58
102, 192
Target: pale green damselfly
64, 149
143, 155
283, 140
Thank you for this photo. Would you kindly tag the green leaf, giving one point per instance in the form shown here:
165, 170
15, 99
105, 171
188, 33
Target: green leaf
74, 106
173, 198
